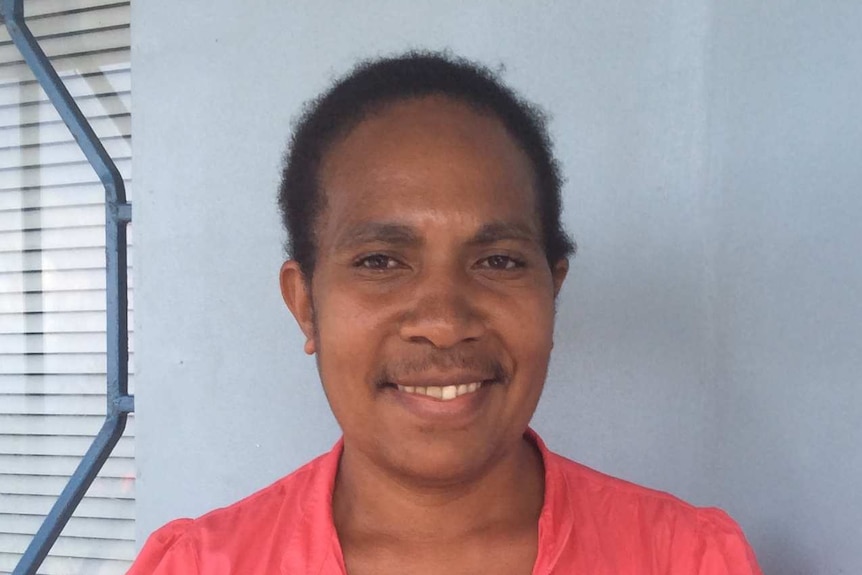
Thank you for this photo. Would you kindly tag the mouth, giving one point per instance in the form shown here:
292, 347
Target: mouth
445, 392
451, 400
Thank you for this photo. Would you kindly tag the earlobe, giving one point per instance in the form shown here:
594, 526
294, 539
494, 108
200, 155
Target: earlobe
559, 272
310, 348
297, 297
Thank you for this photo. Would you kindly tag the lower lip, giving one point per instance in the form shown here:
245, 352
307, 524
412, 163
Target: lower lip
430, 408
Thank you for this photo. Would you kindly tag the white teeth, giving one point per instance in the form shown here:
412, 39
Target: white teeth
443, 393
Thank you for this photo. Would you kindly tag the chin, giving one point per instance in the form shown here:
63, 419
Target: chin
437, 462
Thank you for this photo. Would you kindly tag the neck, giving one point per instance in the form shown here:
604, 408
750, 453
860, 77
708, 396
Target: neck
369, 501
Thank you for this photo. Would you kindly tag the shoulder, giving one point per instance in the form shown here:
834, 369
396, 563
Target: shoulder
285, 498
587, 487
252, 526
168, 551
662, 528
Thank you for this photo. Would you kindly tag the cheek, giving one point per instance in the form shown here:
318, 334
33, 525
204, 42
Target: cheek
345, 363
528, 333
527, 318
347, 340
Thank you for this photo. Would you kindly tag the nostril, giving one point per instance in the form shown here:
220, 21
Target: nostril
442, 330
418, 339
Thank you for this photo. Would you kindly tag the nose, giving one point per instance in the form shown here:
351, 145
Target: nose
442, 312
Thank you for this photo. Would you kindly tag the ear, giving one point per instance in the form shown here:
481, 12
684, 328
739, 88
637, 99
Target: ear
558, 273
295, 291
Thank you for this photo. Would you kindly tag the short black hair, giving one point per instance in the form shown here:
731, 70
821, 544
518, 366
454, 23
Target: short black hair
370, 87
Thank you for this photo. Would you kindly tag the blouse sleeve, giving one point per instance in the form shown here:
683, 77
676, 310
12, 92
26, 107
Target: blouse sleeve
170, 550
723, 549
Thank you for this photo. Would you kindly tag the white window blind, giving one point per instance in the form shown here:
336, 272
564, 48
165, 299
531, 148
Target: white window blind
52, 288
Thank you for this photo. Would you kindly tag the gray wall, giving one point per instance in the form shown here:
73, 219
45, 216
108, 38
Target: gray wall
785, 193
708, 338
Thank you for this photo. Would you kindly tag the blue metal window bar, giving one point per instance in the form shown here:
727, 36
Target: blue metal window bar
118, 213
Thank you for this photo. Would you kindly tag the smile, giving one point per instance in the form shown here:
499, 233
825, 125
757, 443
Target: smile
444, 393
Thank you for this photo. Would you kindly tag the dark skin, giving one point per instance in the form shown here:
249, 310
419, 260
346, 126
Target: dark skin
431, 279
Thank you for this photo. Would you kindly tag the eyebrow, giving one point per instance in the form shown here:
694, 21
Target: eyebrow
403, 235
498, 231
377, 232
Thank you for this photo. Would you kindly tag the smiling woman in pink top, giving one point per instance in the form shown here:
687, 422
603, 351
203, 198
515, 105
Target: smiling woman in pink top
422, 202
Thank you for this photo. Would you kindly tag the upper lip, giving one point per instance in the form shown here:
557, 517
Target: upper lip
442, 379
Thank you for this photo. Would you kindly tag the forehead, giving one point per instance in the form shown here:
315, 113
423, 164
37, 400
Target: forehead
425, 158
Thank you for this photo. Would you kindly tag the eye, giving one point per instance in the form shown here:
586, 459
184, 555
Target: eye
376, 262
501, 262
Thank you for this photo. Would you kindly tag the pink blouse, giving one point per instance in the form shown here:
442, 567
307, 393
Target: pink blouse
590, 523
